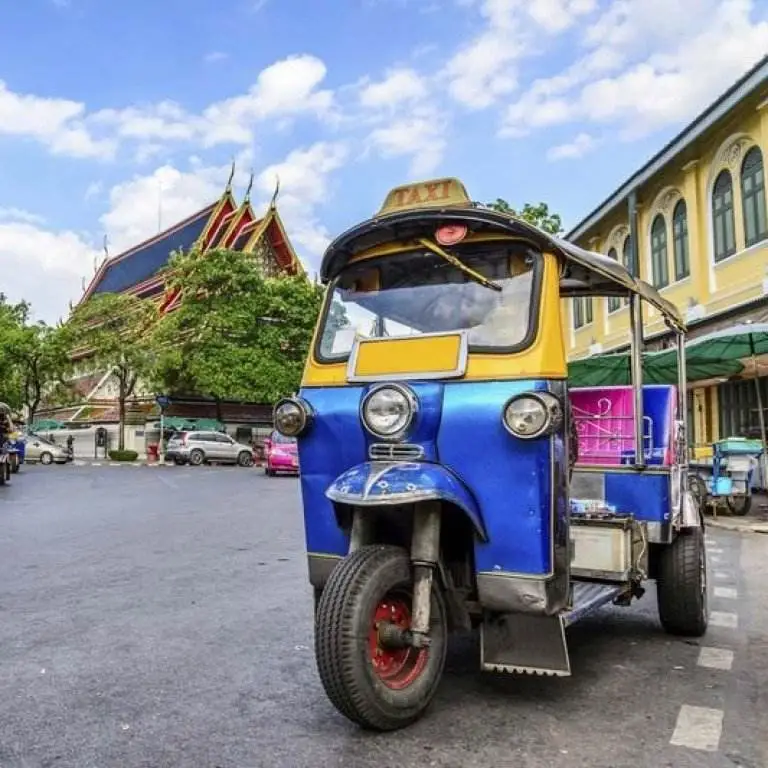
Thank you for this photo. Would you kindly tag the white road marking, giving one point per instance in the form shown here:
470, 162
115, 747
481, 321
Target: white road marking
698, 728
721, 619
715, 658
725, 575
731, 593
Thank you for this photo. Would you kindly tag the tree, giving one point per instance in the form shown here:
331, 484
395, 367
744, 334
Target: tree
12, 321
237, 334
538, 215
41, 361
114, 332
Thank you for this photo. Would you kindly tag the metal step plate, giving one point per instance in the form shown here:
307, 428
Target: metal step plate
588, 597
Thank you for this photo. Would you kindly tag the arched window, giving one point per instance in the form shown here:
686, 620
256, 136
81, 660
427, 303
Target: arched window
722, 216
626, 257
614, 302
659, 265
753, 197
680, 240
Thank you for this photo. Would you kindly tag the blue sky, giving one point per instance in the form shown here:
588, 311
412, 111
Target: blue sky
113, 113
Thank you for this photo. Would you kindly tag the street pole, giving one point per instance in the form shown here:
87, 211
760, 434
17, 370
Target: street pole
161, 444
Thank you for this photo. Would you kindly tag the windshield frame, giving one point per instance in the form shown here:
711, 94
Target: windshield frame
471, 249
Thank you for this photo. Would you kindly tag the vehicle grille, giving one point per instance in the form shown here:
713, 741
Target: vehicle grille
396, 451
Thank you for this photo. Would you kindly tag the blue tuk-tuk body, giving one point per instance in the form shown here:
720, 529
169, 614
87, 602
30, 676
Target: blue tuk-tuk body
451, 478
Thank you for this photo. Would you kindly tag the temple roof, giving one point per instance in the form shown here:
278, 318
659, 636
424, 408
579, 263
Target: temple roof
141, 262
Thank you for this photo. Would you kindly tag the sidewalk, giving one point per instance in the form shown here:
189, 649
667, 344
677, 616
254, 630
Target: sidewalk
754, 522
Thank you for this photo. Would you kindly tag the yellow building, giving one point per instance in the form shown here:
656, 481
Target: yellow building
693, 223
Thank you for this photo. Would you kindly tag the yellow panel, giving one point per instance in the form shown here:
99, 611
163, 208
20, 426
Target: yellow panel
418, 355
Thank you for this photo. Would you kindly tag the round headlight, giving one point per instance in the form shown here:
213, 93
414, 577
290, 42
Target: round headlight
388, 410
291, 417
530, 416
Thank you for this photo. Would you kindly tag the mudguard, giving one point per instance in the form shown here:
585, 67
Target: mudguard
386, 483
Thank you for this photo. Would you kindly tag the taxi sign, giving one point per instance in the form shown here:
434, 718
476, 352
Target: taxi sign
425, 194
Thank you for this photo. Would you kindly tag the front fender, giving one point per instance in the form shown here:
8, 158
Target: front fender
385, 483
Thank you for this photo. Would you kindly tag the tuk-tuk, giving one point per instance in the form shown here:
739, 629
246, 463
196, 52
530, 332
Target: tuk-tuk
452, 479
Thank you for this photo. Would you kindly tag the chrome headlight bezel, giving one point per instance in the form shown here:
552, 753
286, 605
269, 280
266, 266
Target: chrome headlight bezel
551, 408
409, 398
305, 415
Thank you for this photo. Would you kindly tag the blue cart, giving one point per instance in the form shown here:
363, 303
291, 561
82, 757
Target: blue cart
728, 478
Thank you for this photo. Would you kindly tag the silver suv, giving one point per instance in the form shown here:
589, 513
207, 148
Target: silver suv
200, 447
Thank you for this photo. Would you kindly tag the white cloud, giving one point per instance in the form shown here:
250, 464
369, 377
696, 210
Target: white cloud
55, 264
580, 146
19, 215
214, 56
420, 135
304, 186
485, 69
642, 75
398, 86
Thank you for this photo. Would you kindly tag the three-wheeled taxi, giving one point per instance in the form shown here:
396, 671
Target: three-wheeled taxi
451, 478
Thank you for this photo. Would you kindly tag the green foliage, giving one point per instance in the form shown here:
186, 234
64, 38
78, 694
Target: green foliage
538, 215
115, 331
123, 455
32, 360
237, 334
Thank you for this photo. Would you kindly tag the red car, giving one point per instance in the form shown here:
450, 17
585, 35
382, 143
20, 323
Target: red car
282, 454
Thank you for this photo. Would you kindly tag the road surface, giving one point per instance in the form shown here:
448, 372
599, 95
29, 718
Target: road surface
154, 617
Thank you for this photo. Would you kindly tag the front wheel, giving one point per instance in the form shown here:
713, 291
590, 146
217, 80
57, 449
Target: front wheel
681, 587
377, 686
245, 459
46, 458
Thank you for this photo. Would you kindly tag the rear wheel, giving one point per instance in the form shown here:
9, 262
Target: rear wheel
196, 457
373, 683
14, 461
46, 458
682, 585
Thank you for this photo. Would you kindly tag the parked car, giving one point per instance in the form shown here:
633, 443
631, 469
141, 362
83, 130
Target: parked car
200, 447
281, 453
44, 451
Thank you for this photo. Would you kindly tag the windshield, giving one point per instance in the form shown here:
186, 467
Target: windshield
282, 439
420, 293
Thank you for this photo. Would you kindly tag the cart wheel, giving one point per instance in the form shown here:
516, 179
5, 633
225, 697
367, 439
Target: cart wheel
376, 687
681, 587
739, 505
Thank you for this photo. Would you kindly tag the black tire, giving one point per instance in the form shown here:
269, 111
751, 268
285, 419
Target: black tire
46, 458
3, 474
682, 587
178, 461
15, 465
196, 457
244, 459
359, 587
269, 472
739, 505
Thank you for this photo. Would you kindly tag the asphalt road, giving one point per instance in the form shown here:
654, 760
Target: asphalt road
161, 617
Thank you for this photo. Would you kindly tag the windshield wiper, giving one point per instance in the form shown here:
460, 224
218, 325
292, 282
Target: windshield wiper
458, 263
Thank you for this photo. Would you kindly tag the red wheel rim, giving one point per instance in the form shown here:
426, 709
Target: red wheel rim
397, 668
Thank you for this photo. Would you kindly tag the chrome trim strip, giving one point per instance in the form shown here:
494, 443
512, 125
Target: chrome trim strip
459, 371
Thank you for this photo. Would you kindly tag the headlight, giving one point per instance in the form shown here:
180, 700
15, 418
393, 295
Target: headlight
532, 415
292, 417
388, 410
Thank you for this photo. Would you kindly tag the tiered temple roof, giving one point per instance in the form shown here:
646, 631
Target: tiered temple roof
142, 270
